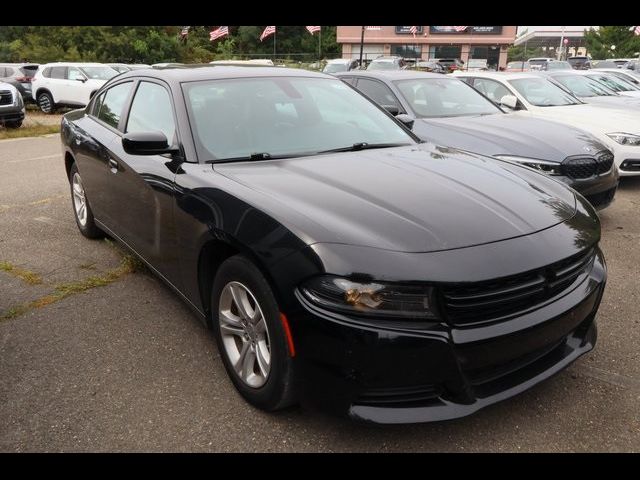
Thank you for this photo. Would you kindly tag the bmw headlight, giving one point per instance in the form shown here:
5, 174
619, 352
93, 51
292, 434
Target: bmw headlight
18, 100
403, 302
550, 168
625, 138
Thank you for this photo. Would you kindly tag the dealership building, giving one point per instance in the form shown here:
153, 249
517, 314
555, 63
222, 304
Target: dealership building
481, 44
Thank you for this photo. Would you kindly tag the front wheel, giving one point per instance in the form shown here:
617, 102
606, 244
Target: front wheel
13, 124
45, 102
250, 334
81, 209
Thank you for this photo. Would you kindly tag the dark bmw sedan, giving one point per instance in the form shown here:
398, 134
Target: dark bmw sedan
335, 256
447, 111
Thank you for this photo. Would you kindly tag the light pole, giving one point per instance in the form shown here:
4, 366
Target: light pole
561, 44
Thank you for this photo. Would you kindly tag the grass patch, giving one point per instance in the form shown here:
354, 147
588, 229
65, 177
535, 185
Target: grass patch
26, 276
32, 131
128, 265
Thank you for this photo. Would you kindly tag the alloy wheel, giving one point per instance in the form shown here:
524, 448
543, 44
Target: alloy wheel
79, 199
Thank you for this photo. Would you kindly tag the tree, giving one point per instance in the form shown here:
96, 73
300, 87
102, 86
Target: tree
599, 42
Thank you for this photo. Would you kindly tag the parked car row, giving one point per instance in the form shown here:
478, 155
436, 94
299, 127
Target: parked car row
398, 246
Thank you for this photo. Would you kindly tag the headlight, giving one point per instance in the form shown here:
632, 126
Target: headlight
549, 168
378, 299
625, 138
18, 100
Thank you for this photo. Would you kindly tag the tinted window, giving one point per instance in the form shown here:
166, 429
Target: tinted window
2, 72
435, 97
113, 103
283, 116
47, 72
58, 72
151, 111
492, 89
377, 91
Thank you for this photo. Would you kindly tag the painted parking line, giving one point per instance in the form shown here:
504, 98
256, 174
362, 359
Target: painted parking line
44, 157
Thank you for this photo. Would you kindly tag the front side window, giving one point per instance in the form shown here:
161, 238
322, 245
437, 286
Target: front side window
542, 93
492, 89
99, 73
378, 92
283, 116
113, 101
75, 74
435, 97
151, 110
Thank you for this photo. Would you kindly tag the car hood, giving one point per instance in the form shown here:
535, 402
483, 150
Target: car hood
597, 119
611, 101
419, 198
507, 134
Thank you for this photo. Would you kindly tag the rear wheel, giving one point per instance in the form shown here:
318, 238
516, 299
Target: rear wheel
81, 209
45, 102
250, 335
13, 124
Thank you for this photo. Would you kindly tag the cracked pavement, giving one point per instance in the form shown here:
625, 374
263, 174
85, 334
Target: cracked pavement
127, 367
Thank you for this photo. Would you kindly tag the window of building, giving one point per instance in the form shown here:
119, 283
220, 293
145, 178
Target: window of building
407, 51
445, 51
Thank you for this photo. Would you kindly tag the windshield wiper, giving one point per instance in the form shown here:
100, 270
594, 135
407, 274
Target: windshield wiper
254, 157
364, 146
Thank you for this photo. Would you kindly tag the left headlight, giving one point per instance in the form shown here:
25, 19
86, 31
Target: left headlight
543, 166
624, 138
18, 100
406, 302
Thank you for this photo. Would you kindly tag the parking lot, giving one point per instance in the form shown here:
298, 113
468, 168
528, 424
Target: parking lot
96, 354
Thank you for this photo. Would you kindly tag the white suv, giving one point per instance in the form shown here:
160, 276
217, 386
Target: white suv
68, 84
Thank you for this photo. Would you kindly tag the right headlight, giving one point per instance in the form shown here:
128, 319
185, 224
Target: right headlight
372, 298
550, 168
624, 138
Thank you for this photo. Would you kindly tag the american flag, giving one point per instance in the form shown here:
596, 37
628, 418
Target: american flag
372, 28
637, 30
313, 30
267, 31
218, 32
413, 30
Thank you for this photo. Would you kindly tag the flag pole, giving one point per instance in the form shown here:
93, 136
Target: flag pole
361, 45
320, 44
274, 43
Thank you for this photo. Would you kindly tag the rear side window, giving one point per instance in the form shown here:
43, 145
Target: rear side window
151, 111
58, 72
111, 103
47, 72
2, 72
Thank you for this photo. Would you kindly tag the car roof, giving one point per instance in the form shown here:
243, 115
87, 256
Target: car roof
392, 74
75, 64
191, 73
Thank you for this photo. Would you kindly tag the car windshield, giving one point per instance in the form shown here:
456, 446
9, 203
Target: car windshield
284, 116
582, 86
517, 65
559, 66
383, 65
444, 97
613, 82
99, 73
335, 67
542, 93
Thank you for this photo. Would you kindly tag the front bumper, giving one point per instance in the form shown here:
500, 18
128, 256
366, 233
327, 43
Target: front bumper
600, 190
11, 113
399, 375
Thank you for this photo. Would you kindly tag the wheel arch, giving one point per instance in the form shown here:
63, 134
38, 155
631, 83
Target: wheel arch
69, 160
44, 90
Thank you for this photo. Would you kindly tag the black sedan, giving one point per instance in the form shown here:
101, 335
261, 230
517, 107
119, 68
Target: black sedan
447, 111
335, 256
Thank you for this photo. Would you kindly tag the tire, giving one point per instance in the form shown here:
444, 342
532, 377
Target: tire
13, 124
45, 102
269, 392
84, 217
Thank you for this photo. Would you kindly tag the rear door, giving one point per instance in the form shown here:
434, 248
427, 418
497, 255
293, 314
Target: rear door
56, 83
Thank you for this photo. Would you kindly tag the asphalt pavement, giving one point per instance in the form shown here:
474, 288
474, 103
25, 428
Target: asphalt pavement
126, 366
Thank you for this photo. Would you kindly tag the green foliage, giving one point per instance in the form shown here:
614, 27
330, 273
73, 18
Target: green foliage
154, 44
599, 42
518, 53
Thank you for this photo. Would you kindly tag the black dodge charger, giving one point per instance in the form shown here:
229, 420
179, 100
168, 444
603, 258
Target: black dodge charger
336, 257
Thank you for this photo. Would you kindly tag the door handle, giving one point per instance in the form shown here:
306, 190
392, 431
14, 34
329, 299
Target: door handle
113, 165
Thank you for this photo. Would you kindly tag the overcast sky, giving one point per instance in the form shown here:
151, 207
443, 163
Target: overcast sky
546, 27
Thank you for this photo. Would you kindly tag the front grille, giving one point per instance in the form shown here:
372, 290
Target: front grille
602, 198
500, 299
580, 168
399, 396
5, 97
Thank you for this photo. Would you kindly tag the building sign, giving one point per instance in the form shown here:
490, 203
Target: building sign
405, 30
491, 30
461, 29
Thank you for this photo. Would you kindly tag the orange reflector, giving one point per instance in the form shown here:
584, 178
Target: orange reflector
287, 333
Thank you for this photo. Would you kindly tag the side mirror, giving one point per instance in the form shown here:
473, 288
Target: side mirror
509, 101
392, 109
146, 143
406, 120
